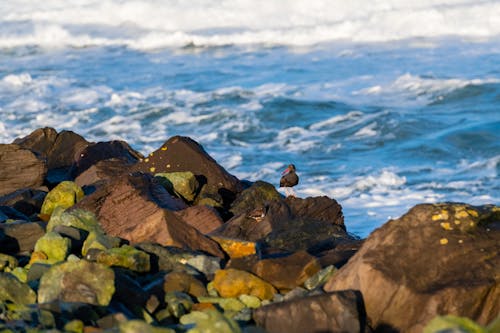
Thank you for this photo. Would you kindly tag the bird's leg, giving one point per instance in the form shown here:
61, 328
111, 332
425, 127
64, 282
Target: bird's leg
287, 192
292, 192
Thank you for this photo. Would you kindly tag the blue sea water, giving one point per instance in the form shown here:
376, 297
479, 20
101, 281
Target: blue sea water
380, 105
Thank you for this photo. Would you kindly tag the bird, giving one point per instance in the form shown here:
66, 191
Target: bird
289, 179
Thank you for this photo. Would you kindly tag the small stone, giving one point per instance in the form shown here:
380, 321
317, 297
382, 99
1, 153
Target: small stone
74, 326
99, 241
127, 257
236, 248
7, 263
64, 195
20, 273
178, 303
250, 301
226, 303
54, 246
234, 282
320, 278
136, 326
184, 282
209, 321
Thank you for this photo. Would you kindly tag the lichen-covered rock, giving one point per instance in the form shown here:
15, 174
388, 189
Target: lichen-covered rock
7, 263
80, 281
13, 290
456, 324
125, 256
209, 321
260, 194
65, 195
54, 246
250, 301
183, 184
234, 282
136, 326
21, 168
184, 282
226, 303
320, 278
236, 248
178, 303
76, 218
169, 258
99, 241
437, 258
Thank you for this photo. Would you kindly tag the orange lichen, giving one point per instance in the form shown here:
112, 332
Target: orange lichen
443, 241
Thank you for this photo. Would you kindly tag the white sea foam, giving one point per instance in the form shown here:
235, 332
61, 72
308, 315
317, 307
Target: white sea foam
413, 89
154, 24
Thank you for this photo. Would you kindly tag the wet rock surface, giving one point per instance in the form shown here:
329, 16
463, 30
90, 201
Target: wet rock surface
104, 239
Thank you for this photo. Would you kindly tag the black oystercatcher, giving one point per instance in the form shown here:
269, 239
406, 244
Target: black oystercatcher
289, 179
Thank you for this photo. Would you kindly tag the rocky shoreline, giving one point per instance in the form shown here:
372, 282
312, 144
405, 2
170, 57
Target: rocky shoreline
95, 237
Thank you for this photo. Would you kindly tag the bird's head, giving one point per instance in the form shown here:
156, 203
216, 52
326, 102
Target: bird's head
289, 169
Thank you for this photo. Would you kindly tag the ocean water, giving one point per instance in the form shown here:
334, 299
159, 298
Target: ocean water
380, 104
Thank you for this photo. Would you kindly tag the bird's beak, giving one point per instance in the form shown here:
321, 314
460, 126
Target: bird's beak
285, 172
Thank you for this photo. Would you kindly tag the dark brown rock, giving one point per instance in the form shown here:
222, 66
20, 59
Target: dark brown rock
322, 209
27, 201
340, 311
205, 219
100, 151
19, 168
184, 282
339, 255
19, 237
184, 154
102, 171
290, 225
59, 149
441, 258
288, 272
134, 208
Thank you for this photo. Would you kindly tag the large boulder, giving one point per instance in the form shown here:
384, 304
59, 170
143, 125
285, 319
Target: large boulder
340, 311
184, 154
286, 225
205, 219
135, 208
102, 171
21, 168
437, 258
58, 149
101, 151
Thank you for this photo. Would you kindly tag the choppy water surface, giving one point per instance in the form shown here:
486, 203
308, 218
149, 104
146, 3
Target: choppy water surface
379, 115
